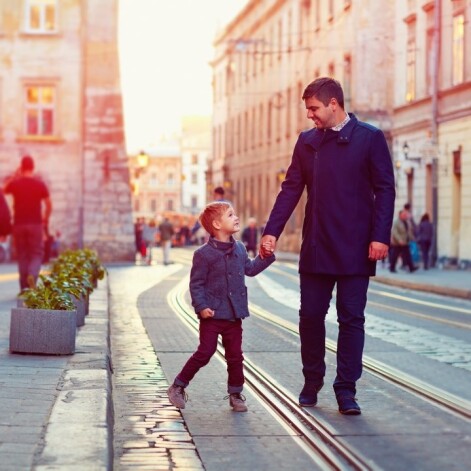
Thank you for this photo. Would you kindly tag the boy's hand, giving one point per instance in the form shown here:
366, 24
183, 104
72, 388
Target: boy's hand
207, 313
267, 246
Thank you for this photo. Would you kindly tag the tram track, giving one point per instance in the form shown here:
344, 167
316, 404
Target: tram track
425, 391
404, 311
438, 397
319, 443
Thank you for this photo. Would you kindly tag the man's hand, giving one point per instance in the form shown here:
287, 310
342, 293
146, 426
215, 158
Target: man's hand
267, 246
207, 313
378, 251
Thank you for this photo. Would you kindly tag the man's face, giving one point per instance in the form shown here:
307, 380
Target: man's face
229, 222
323, 116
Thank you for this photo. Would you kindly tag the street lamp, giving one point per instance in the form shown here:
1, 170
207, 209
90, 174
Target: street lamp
142, 163
405, 150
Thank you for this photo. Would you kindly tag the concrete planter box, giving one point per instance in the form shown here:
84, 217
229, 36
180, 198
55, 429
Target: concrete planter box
81, 308
42, 331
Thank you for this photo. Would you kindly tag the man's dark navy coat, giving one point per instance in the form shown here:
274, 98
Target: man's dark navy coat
349, 178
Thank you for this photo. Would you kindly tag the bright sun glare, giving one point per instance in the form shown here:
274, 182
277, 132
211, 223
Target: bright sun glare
165, 50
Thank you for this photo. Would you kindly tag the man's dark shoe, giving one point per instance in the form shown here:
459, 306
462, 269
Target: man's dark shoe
348, 405
308, 395
413, 269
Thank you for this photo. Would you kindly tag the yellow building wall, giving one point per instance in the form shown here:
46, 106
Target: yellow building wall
454, 198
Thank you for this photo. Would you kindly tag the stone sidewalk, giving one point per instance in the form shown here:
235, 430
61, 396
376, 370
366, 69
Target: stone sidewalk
56, 411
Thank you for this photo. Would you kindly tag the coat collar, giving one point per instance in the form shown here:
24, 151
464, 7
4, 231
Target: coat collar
226, 247
314, 137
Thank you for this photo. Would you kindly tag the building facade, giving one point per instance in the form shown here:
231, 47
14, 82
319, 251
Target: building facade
263, 61
157, 183
60, 102
432, 118
195, 151
405, 66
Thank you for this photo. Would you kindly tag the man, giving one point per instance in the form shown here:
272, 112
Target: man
402, 234
218, 193
346, 168
30, 199
166, 234
250, 237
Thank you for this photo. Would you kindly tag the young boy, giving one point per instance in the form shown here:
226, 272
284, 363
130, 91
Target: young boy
219, 297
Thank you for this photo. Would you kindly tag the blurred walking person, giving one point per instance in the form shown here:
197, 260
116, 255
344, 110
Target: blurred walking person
149, 236
424, 238
166, 233
32, 208
250, 236
401, 235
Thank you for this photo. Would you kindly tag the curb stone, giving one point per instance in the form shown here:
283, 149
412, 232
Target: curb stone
436, 289
79, 432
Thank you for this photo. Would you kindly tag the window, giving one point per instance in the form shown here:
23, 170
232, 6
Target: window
288, 113
153, 205
347, 81
41, 16
169, 205
170, 179
153, 180
331, 10
39, 110
194, 159
429, 48
331, 70
194, 178
411, 60
458, 49
317, 17
194, 202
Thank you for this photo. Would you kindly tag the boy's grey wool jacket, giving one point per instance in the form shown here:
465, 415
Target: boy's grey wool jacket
217, 279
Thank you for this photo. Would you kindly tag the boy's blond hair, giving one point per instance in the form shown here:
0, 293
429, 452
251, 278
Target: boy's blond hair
212, 212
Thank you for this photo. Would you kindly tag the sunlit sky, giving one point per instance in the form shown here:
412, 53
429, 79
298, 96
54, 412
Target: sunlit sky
165, 50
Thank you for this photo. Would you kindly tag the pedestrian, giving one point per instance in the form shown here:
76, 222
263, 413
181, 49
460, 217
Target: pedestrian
149, 236
32, 208
5, 218
345, 166
425, 237
413, 248
138, 227
250, 236
218, 295
185, 234
401, 236
218, 194
166, 234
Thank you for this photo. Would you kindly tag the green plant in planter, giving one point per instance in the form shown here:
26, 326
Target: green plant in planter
82, 264
48, 294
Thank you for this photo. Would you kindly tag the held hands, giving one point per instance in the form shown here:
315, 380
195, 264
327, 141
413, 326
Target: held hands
207, 313
267, 246
377, 251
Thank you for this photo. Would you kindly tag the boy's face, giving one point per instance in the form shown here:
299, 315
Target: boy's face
229, 222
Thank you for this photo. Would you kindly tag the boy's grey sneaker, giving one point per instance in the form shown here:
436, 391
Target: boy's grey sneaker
237, 402
177, 396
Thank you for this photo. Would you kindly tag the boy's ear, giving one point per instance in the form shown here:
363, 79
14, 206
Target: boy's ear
216, 224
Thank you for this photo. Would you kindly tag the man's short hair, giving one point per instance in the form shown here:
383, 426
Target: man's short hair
324, 89
212, 212
27, 163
